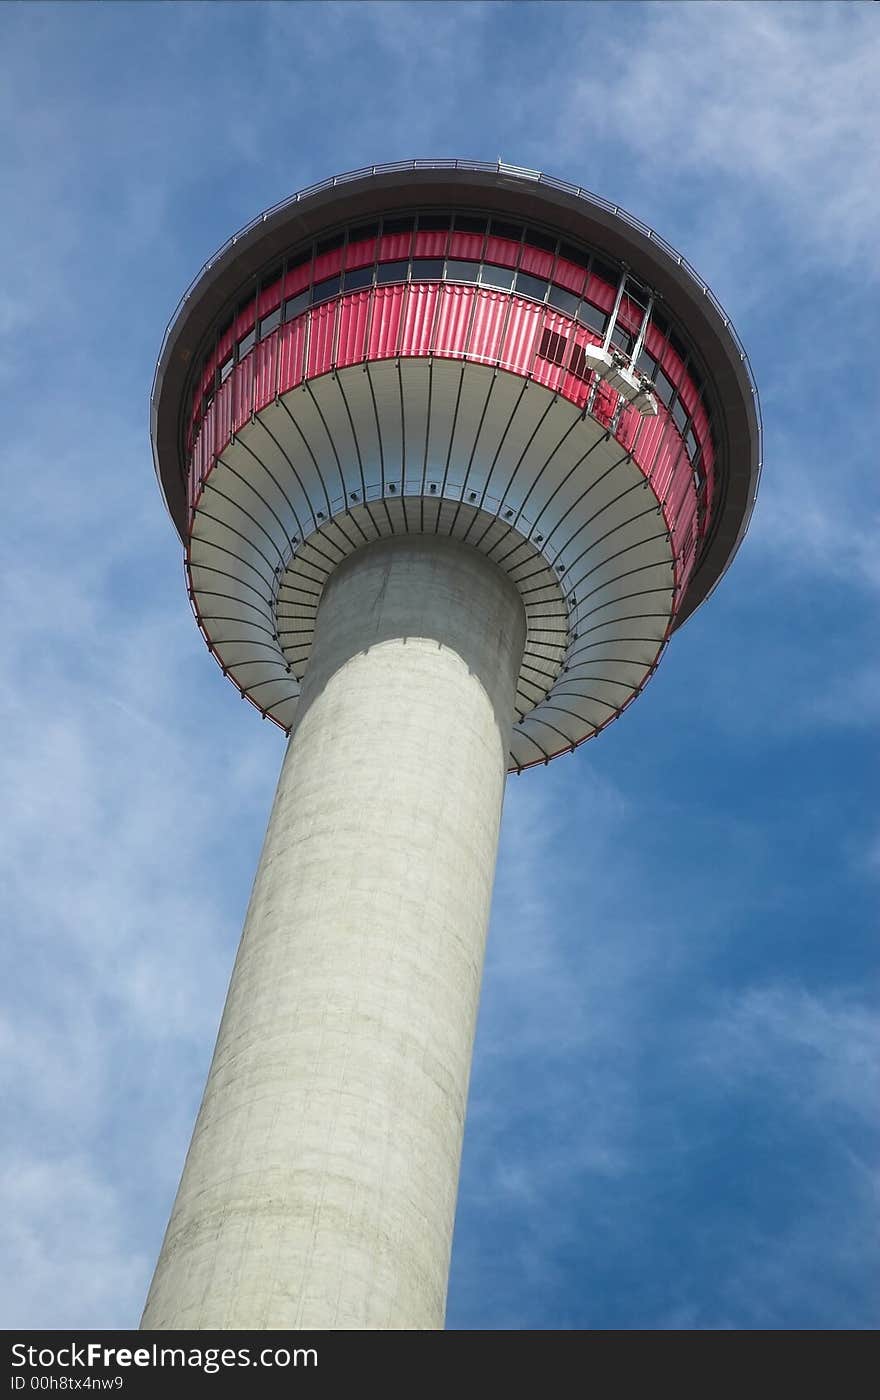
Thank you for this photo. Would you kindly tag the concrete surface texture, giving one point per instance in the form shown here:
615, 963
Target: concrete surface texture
319, 1189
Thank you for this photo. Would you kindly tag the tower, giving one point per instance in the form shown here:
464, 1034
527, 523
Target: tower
452, 449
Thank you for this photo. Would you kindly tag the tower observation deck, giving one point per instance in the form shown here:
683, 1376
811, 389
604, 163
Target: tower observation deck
452, 450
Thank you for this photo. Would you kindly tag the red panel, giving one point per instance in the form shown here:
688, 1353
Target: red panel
502, 251
430, 243
225, 345
222, 414
466, 245
519, 338
297, 279
673, 364
293, 339
265, 357
242, 392
628, 428
573, 387
536, 261
487, 326
569, 275
450, 337
393, 246
655, 343
245, 319
418, 320
689, 396
361, 254
354, 313
385, 325
605, 404
600, 293
326, 264
269, 298
321, 339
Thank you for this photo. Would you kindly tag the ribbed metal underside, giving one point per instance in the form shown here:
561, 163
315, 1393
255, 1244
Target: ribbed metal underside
442, 447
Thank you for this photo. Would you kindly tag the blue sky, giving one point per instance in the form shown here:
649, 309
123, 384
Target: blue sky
673, 1119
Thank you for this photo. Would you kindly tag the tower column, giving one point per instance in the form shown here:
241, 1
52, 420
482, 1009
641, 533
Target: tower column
320, 1185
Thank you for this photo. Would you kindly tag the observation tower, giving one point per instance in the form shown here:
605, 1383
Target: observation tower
452, 450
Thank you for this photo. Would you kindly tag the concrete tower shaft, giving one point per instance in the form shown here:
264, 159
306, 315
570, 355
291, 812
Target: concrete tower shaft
452, 450
319, 1190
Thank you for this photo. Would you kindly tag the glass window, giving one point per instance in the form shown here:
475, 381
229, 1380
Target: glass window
427, 269
563, 300
246, 344
457, 271
665, 387
464, 223
660, 321
536, 239
646, 363
391, 272
591, 316
434, 221
404, 225
678, 345
269, 279
295, 306
323, 291
502, 229
268, 323
693, 446
500, 277
359, 233
529, 286
605, 271
679, 413
327, 245
574, 255
622, 339
298, 259
360, 277
226, 369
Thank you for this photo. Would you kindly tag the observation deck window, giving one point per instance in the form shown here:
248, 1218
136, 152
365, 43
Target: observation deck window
591, 316
226, 368
574, 255
268, 323
326, 245
679, 414
529, 286
294, 306
323, 291
403, 225
457, 271
647, 364
361, 232
464, 223
360, 277
563, 300
499, 277
693, 447
665, 387
434, 223
540, 240
391, 272
623, 339
501, 229
246, 344
427, 269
